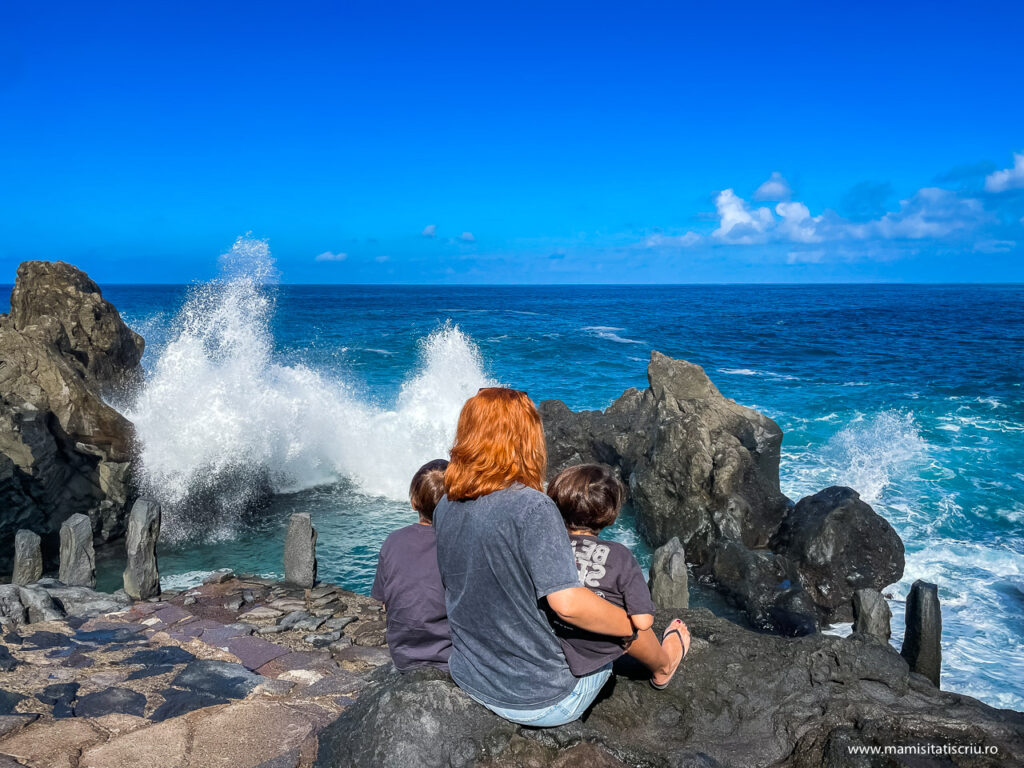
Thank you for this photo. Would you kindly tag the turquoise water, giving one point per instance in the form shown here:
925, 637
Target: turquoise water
330, 396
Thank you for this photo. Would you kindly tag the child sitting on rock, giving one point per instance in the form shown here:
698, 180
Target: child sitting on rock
408, 581
589, 497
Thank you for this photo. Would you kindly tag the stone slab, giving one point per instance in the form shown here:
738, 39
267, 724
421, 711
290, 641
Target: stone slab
254, 652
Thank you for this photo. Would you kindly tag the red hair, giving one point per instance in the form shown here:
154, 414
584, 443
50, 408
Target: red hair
499, 441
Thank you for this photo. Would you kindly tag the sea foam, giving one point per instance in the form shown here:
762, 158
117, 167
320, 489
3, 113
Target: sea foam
222, 422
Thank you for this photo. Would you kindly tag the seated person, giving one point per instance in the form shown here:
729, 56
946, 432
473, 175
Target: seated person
589, 497
408, 581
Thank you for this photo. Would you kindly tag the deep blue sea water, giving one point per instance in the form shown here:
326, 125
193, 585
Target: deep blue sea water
333, 395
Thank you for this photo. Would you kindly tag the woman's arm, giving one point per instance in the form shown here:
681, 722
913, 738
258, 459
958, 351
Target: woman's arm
582, 608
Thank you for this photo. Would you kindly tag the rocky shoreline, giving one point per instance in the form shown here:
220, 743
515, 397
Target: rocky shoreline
247, 672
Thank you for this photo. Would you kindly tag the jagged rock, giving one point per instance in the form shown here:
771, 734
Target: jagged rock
766, 586
839, 544
740, 698
217, 678
77, 557
83, 601
141, 576
28, 558
871, 614
219, 576
300, 551
12, 610
922, 638
39, 604
705, 469
669, 580
63, 449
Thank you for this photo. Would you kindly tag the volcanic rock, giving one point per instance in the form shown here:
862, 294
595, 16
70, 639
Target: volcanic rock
28, 558
922, 646
141, 576
669, 581
300, 551
63, 449
740, 698
871, 614
77, 557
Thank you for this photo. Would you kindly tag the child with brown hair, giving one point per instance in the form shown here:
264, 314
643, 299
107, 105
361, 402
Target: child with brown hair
408, 581
589, 497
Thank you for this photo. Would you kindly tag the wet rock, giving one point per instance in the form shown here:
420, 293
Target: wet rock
217, 678
839, 545
742, 698
669, 580
300, 551
922, 638
141, 575
110, 701
64, 450
28, 558
871, 614
77, 557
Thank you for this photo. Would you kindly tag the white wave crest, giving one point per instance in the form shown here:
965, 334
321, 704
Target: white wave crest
608, 333
220, 420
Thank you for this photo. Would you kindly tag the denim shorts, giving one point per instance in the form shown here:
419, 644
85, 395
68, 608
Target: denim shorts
565, 711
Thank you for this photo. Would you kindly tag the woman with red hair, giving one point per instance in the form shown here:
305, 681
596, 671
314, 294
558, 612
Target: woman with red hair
505, 558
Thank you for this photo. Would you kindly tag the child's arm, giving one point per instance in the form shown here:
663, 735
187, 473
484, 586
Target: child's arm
642, 621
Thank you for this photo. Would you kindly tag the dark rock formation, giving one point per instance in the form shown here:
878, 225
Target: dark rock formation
922, 638
871, 614
82, 601
839, 545
300, 551
740, 698
705, 469
77, 557
141, 576
669, 580
28, 558
63, 450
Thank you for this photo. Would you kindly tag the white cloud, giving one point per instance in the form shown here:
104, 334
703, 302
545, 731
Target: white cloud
797, 224
430, 230
1010, 178
931, 212
776, 188
328, 256
738, 222
467, 237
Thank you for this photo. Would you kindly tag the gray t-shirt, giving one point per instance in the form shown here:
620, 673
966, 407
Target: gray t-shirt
608, 569
409, 585
499, 556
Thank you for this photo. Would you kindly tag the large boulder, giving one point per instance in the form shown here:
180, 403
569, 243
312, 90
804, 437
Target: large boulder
740, 698
63, 449
704, 469
839, 544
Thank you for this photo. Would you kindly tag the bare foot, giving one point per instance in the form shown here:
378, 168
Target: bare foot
676, 642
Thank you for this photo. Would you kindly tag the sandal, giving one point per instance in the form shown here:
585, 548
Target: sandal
684, 640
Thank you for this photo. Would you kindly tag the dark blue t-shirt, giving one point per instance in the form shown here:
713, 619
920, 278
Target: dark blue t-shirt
608, 569
409, 585
500, 555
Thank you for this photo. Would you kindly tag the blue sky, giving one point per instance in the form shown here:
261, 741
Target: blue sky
523, 143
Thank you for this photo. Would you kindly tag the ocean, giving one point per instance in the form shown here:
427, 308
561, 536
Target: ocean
329, 397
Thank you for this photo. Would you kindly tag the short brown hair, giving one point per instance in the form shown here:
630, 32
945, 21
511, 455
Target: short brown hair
499, 441
589, 496
427, 487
